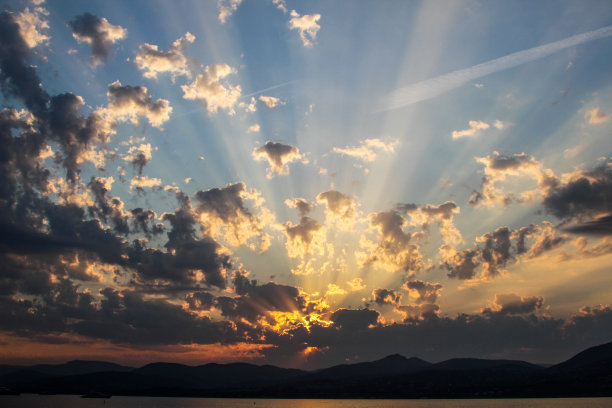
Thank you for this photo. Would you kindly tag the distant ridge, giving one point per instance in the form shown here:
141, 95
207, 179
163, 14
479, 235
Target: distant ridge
587, 374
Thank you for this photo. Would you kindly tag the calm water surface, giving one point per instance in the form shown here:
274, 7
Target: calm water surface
72, 401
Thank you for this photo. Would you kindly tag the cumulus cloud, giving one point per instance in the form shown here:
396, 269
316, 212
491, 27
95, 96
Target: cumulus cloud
154, 61
98, 33
32, 25
139, 156
475, 127
255, 128
300, 204
513, 304
227, 8
582, 193
269, 102
140, 182
596, 116
423, 292
208, 86
367, 149
396, 249
223, 213
128, 102
599, 226
498, 167
442, 214
386, 296
340, 208
494, 250
419, 313
306, 237
278, 156
307, 25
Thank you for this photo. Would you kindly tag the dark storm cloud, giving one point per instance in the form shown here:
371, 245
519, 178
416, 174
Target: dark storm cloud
588, 194
18, 78
200, 300
599, 226
98, 33
74, 132
355, 320
144, 221
108, 207
256, 300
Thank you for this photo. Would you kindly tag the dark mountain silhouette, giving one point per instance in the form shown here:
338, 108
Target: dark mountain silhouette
589, 373
390, 365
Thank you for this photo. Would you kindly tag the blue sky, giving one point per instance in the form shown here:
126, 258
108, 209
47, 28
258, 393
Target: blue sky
426, 161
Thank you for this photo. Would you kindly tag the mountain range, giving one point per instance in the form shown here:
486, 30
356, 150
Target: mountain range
589, 373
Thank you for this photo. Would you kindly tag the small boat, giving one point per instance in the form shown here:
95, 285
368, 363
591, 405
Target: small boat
96, 394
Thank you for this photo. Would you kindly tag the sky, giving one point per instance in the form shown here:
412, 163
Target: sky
304, 183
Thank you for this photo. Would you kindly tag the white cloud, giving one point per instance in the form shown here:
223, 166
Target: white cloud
140, 182
207, 86
227, 8
153, 61
254, 128
32, 24
270, 102
366, 151
475, 127
306, 25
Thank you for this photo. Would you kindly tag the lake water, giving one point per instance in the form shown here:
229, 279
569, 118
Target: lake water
73, 401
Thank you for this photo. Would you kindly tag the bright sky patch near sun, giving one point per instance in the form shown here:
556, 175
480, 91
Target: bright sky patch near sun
304, 183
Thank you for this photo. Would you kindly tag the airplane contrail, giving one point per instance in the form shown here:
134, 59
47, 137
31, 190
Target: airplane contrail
433, 87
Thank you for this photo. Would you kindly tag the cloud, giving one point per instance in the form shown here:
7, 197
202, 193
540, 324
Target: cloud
355, 320
396, 250
132, 102
278, 156
386, 296
498, 167
340, 208
255, 128
32, 26
140, 182
513, 304
98, 33
208, 86
475, 127
306, 237
222, 213
281, 5
430, 88
19, 77
153, 61
494, 250
139, 156
269, 102
596, 116
300, 204
443, 214
307, 25
582, 194
423, 292
599, 226
419, 313
356, 284
226, 8
366, 151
